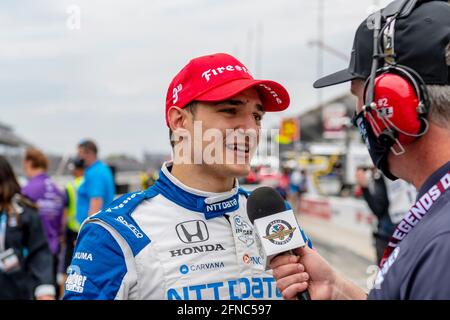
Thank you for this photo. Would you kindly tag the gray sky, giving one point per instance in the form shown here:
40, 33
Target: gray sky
108, 79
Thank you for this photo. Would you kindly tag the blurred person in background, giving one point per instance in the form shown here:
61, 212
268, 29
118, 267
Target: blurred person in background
374, 191
283, 183
25, 258
294, 188
401, 195
49, 200
297, 187
148, 178
71, 223
98, 188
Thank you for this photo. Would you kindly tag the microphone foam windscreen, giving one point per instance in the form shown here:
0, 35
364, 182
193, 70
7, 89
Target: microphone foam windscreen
264, 201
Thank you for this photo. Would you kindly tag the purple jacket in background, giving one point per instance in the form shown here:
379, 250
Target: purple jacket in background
50, 201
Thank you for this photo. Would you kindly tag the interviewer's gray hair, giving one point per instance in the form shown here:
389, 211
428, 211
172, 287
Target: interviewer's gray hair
440, 100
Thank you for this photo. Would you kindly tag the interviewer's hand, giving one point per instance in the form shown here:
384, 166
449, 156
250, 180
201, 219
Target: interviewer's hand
289, 270
323, 282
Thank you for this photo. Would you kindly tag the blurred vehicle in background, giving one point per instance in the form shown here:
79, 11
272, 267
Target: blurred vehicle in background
148, 178
251, 178
268, 176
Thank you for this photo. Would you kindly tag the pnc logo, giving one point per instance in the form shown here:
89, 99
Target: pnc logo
252, 260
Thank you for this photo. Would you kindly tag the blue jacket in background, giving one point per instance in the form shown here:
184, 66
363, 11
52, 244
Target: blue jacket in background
98, 183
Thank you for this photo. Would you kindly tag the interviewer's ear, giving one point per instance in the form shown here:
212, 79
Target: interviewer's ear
177, 118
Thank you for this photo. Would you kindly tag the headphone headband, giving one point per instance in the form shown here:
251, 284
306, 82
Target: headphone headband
398, 8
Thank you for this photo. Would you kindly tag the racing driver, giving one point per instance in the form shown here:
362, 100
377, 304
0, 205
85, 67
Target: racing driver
188, 236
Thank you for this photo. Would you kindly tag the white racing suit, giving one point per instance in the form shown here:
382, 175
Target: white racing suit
170, 242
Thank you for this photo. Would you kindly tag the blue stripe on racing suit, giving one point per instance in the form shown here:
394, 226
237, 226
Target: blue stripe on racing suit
103, 281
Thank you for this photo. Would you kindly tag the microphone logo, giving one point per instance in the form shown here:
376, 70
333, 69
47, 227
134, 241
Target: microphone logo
279, 232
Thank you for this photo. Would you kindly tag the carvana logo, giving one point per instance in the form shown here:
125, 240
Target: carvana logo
184, 269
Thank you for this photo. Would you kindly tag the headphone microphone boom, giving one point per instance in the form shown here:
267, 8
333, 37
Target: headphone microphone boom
276, 227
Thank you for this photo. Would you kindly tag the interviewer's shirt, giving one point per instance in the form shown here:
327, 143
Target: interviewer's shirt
419, 265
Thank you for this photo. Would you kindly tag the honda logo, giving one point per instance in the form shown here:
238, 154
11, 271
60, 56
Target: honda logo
192, 231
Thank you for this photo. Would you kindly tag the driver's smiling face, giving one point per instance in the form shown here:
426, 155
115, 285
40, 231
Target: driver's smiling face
239, 115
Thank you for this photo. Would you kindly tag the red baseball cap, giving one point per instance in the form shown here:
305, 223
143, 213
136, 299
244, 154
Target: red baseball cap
218, 77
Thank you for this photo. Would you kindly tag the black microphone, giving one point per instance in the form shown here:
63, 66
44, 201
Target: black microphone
276, 227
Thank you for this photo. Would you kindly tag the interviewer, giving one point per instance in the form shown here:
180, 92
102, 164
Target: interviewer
413, 88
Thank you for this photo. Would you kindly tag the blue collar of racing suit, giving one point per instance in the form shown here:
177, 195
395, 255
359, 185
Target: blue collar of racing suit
210, 204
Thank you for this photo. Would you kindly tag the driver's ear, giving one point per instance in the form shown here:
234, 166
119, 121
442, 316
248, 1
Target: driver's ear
177, 118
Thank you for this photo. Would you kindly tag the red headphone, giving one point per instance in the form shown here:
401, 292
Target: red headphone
400, 105
395, 97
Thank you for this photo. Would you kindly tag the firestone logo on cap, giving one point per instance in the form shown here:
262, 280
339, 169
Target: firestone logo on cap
218, 77
218, 71
272, 93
